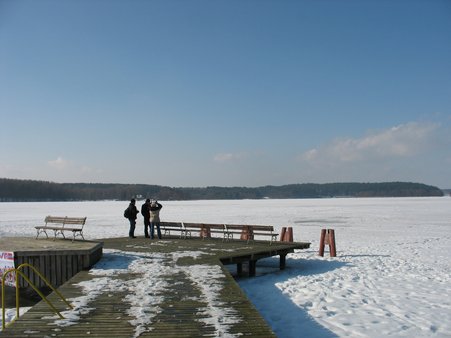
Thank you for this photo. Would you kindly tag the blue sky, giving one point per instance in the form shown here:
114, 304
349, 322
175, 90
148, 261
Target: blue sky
227, 93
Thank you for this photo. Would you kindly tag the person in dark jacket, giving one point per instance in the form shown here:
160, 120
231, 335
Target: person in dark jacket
155, 208
131, 215
145, 211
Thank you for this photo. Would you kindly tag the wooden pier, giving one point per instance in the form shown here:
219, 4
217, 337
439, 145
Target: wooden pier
184, 308
58, 260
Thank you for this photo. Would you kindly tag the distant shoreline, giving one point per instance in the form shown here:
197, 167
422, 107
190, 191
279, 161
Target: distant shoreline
12, 190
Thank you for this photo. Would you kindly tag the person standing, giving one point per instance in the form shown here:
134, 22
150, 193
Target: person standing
131, 213
145, 211
155, 208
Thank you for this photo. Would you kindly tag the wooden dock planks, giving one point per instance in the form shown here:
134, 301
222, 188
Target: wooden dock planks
183, 313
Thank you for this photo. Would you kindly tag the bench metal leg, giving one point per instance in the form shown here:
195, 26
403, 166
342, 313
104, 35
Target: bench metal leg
187, 232
39, 231
75, 234
57, 232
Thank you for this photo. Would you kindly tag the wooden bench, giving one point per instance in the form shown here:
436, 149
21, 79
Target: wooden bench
248, 232
59, 225
167, 227
205, 230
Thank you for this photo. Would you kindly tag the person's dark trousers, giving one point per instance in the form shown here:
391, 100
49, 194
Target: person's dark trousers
146, 227
152, 230
131, 232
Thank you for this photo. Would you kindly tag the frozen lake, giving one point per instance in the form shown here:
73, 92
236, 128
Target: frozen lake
391, 276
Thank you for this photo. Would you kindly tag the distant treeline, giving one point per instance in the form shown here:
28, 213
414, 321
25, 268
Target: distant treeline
28, 190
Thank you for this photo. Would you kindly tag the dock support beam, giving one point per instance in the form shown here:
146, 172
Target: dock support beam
283, 258
252, 268
239, 268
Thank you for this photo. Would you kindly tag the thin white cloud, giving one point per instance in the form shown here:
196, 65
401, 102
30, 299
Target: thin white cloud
60, 163
402, 141
67, 170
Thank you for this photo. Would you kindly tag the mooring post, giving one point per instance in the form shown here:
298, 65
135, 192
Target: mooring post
321, 242
327, 237
332, 248
289, 235
205, 231
282, 234
247, 233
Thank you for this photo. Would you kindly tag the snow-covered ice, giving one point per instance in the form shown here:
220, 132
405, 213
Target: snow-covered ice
391, 276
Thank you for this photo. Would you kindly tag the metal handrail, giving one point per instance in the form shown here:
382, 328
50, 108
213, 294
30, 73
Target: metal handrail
17, 271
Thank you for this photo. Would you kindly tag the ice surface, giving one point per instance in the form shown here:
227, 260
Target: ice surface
391, 276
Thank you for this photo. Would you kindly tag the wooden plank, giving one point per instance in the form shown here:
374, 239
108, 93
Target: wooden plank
58, 267
47, 267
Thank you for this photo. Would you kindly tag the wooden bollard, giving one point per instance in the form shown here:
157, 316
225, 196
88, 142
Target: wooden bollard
332, 248
322, 242
205, 232
282, 234
327, 237
247, 233
287, 234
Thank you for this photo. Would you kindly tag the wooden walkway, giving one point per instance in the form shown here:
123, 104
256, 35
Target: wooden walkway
164, 288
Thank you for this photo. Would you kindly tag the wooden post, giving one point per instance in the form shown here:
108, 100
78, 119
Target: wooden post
247, 233
332, 248
252, 268
289, 235
327, 237
283, 261
205, 232
239, 268
282, 234
321, 242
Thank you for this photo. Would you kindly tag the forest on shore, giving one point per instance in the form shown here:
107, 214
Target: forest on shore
14, 190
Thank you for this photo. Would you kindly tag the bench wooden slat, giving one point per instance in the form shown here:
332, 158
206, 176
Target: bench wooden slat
205, 230
167, 227
248, 232
227, 230
58, 225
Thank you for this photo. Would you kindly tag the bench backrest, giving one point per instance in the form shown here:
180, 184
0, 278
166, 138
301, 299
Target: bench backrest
171, 224
192, 225
203, 225
55, 220
226, 228
234, 226
268, 228
65, 220
216, 226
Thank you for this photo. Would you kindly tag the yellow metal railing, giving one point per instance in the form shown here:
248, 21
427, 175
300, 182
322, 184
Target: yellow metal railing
18, 271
